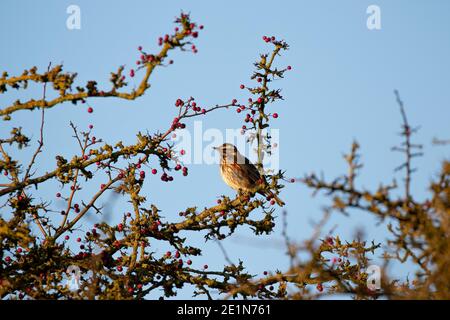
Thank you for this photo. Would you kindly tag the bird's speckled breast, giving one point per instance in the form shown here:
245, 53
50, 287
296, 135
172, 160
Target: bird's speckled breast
234, 176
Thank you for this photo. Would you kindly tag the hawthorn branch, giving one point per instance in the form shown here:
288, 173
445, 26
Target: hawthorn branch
55, 76
89, 205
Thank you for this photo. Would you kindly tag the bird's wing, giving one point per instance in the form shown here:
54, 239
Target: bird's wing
252, 171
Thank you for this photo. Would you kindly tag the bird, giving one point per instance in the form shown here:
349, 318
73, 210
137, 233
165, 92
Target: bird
240, 174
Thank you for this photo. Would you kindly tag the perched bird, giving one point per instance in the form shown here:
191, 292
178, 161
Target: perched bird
240, 174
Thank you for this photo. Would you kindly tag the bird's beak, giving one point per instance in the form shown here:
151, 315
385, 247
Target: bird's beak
215, 148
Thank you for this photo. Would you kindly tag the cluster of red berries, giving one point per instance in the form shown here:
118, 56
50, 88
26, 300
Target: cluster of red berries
145, 58
188, 29
166, 178
177, 259
190, 104
268, 39
176, 124
336, 260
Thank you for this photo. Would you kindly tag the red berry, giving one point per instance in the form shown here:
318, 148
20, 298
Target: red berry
330, 241
201, 27
275, 115
182, 152
319, 287
66, 237
189, 262
119, 268
58, 195
177, 254
142, 174
205, 266
259, 79
265, 273
90, 110
132, 73
154, 171
140, 48
168, 254
289, 67
78, 239
242, 86
8, 259
19, 250
102, 186
120, 227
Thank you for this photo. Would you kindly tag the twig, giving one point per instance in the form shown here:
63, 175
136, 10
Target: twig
41, 140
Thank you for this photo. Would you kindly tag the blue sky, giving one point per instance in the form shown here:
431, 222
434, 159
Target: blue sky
340, 89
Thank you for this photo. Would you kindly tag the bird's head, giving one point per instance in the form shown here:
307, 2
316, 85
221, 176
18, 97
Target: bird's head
227, 149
